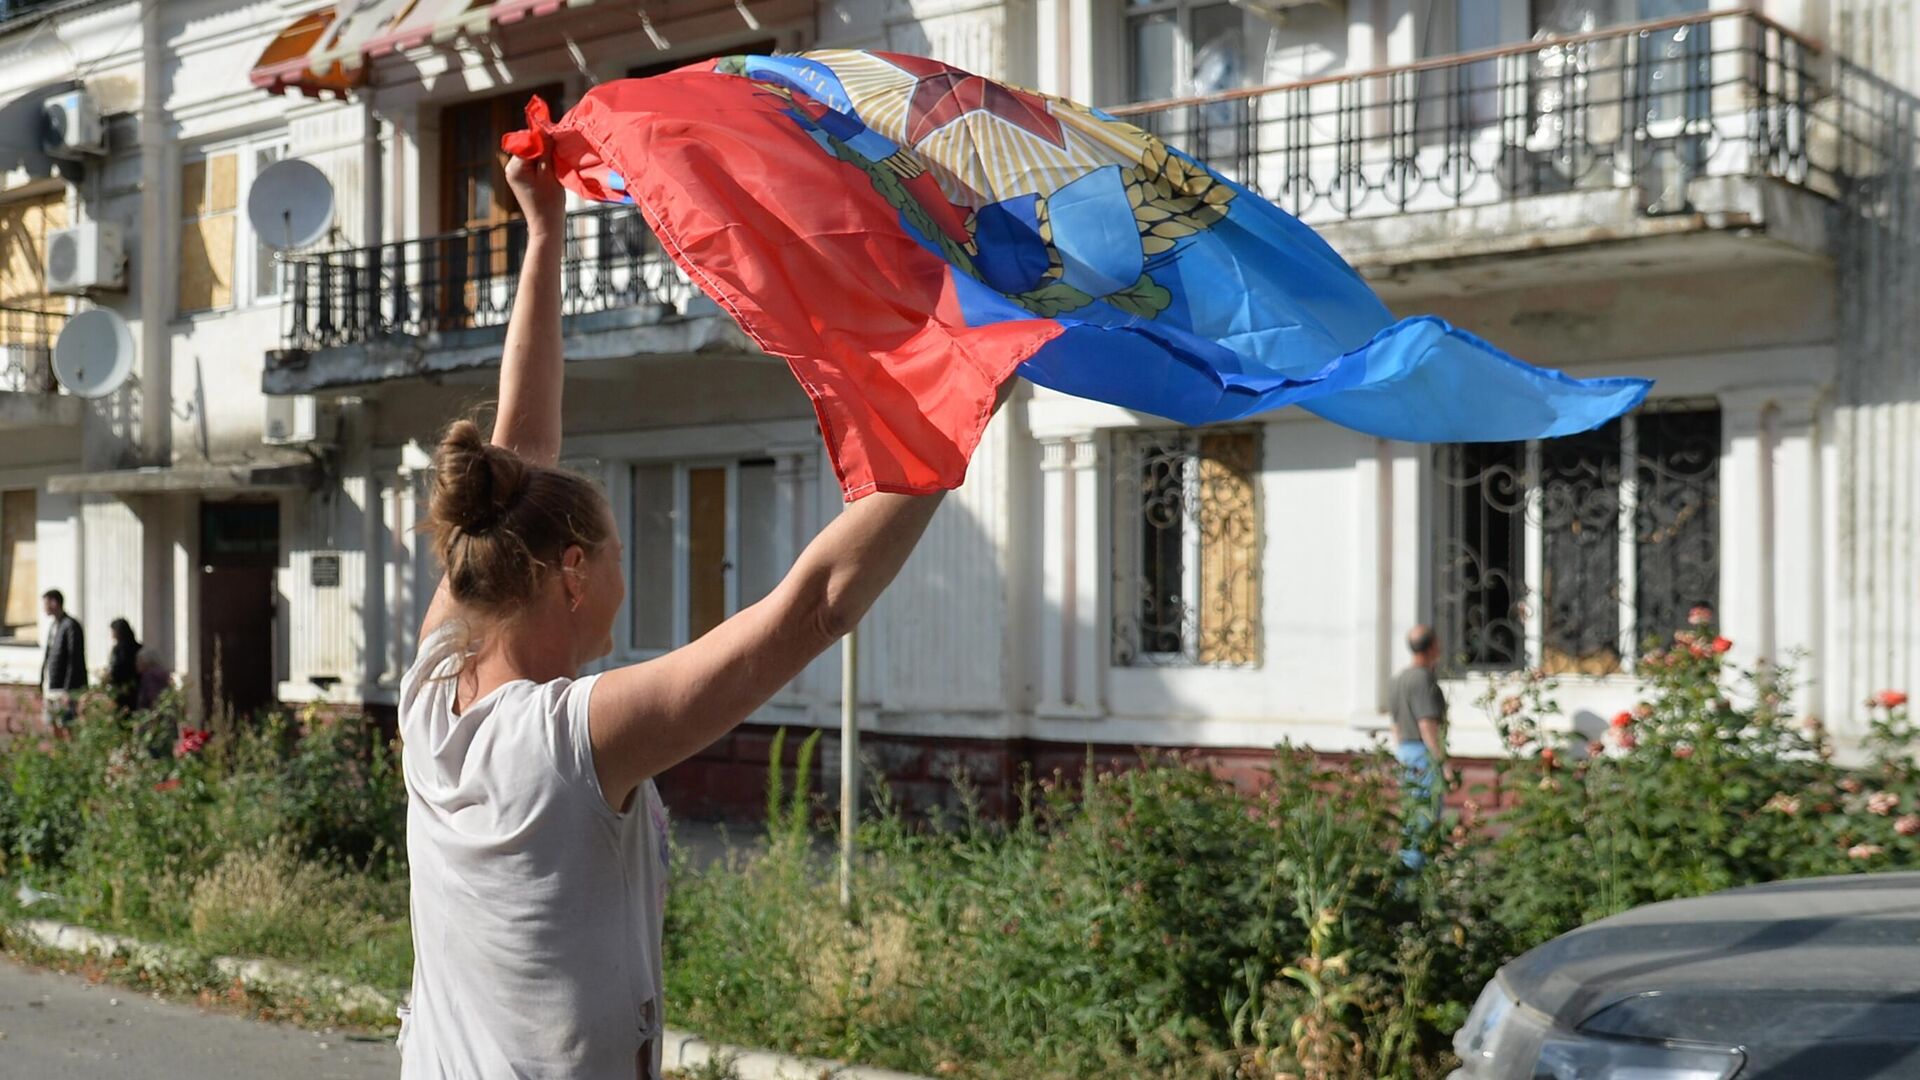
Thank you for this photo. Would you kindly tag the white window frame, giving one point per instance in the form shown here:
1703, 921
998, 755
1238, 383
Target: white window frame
1183, 10
247, 246
682, 544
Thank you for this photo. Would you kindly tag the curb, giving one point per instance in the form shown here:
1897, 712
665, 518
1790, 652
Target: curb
683, 1050
687, 1051
263, 975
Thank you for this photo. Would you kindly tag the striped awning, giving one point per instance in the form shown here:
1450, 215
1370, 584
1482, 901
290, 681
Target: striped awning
326, 52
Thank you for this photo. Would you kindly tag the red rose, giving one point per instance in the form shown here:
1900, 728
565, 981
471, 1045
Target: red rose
1890, 699
1548, 757
1622, 719
1683, 752
1721, 644
1626, 741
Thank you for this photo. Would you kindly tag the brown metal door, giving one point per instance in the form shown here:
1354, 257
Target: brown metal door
239, 545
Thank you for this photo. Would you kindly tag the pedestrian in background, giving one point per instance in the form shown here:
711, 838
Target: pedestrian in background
1420, 734
63, 666
123, 674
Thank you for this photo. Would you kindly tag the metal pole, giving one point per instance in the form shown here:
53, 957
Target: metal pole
849, 762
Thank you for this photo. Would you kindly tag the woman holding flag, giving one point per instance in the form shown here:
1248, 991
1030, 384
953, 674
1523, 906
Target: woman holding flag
537, 841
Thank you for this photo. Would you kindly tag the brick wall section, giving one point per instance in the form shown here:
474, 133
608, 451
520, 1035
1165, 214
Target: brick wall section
727, 781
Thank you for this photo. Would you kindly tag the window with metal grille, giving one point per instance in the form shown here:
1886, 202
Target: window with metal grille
1187, 549
1571, 554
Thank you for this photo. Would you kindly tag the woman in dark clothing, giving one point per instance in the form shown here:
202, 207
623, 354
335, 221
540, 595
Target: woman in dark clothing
123, 675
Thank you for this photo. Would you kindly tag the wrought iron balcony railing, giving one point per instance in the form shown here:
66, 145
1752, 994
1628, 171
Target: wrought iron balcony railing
1646, 107
26, 349
467, 279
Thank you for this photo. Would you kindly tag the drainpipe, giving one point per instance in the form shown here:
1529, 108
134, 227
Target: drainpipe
156, 381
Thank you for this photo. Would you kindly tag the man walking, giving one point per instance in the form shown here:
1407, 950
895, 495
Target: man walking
63, 667
1420, 732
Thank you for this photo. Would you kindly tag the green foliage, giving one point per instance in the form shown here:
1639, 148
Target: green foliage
254, 839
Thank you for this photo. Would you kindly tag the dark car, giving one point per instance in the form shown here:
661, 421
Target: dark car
1815, 978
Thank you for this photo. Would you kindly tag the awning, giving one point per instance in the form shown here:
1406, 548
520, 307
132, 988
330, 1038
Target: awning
284, 64
261, 476
326, 52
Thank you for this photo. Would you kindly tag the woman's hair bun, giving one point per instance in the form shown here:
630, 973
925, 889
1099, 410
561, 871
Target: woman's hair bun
501, 524
476, 483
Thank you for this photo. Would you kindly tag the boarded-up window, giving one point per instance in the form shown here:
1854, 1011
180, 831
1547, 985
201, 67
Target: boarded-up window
209, 196
1187, 549
19, 567
24, 225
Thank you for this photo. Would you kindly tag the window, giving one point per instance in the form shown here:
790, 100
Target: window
1177, 48
703, 547
19, 568
24, 225
1187, 549
1572, 553
222, 263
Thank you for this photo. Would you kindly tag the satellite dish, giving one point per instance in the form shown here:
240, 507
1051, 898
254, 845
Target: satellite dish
93, 356
290, 205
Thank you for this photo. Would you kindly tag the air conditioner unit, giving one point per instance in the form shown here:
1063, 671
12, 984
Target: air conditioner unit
292, 420
73, 128
85, 258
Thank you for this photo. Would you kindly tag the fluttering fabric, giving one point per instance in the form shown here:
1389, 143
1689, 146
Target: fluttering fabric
907, 235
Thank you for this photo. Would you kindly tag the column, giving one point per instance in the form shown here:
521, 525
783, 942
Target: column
794, 473
1372, 578
1056, 573
1071, 659
1746, 524
1799, 553
1090, 511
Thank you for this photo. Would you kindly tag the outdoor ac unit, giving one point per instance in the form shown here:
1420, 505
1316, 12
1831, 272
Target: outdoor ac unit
84, 258
290, 420
73, 126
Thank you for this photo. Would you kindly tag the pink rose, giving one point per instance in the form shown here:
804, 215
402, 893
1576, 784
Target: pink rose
1510, 706
1643, 711
1908, 825
1700, 615
1882, 802
1784, 803
1864, 851
1850, 785
1683, 752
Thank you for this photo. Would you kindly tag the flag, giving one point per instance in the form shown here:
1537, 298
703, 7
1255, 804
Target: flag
907, 236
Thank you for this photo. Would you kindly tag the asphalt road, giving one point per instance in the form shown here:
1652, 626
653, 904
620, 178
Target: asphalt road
58, 1027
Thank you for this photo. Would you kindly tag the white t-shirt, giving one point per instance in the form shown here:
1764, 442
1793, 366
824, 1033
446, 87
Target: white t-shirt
536, 907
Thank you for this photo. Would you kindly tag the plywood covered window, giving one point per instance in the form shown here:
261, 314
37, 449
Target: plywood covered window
222, 262
1187, 548
24, 225
19, 567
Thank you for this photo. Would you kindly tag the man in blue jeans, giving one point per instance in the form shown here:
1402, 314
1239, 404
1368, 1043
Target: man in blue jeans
1420, 734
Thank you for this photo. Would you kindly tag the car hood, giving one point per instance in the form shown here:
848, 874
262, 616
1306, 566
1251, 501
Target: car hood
1856, 938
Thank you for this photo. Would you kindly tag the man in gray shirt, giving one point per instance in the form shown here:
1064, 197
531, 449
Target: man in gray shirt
1420, 731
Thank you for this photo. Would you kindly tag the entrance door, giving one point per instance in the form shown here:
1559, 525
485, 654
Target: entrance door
239, 548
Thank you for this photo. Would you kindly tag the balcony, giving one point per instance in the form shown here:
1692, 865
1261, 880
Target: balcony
438, 305
29, 396
1726, 125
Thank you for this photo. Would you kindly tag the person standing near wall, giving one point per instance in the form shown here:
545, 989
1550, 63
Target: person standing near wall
1420, 732
123, 675
63, 666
